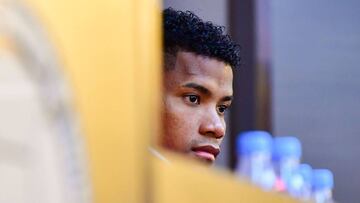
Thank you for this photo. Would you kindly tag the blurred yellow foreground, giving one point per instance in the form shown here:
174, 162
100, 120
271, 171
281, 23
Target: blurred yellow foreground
79, 104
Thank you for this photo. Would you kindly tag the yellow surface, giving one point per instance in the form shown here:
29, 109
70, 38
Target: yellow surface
110, 51
185, 182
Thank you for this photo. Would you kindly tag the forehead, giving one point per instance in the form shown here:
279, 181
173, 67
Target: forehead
189, 66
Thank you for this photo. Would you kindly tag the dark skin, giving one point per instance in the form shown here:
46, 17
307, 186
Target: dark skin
197, 92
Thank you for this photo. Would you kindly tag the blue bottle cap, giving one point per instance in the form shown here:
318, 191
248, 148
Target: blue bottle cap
305, 171
322, 179
285, 147
253, 141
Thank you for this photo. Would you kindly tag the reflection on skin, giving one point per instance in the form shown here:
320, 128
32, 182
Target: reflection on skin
197, 92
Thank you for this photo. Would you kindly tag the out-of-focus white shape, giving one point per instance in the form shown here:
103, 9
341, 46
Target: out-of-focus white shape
158, 155
41, 152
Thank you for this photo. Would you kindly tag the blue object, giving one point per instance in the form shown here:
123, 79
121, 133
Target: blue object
254, 158
322, 179
305, 171
253, 141
286, 147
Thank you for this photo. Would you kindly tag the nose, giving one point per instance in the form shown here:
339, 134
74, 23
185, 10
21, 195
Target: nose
212, 124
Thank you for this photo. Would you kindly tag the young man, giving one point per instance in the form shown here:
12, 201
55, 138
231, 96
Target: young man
198, 78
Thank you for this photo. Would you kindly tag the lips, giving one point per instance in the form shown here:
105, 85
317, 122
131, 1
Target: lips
206, 152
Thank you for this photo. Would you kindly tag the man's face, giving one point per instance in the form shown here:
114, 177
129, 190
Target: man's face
198, 90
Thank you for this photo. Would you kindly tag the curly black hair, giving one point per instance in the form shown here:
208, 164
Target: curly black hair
184, 31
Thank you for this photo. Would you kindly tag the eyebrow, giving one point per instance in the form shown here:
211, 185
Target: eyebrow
198, 87
206, 91
227, 98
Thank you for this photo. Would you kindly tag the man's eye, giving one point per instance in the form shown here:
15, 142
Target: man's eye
222, 109
193, 99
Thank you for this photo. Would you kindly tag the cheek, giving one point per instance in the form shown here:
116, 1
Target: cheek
178, 127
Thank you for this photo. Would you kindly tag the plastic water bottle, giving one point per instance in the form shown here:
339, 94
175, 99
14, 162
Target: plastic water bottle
322, 184
305, 171
254, 158
286, 159
299, 183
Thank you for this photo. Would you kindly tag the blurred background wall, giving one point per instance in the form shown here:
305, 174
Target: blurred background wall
316, 86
